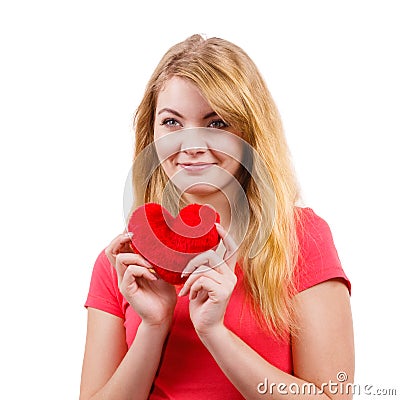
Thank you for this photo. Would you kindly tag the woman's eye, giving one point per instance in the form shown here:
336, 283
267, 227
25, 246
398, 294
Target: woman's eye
218, 124
170, 122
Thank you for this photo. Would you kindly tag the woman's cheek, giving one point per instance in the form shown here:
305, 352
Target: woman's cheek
166, 146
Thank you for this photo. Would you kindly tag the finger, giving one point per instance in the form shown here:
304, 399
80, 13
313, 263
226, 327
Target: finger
207, 260
216, 292
120, 240
131, 277
124, 260
230, 246
205, 285
200, 296
117, 245
137, 271
211, 274
133, 258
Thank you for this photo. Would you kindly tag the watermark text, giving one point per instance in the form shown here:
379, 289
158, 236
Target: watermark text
339, 386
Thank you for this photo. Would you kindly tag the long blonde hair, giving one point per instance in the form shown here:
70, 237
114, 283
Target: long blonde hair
234, 88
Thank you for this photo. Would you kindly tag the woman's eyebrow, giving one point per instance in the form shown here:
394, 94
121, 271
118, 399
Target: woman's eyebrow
170, 110
211, 114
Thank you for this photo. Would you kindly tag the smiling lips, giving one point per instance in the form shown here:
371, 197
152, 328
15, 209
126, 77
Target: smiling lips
195, 166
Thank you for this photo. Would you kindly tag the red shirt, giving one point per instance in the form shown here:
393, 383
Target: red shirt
179, 377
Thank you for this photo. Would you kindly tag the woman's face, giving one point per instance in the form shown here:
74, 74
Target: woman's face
198, 161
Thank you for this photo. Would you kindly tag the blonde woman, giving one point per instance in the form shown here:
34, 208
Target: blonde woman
270, 318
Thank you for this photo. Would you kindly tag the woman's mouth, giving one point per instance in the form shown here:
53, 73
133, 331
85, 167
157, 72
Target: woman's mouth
195, 166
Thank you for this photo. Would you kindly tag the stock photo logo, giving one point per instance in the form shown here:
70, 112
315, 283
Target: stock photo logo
168, 228
340, 386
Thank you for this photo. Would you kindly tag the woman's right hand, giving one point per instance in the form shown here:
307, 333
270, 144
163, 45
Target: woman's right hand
151, 297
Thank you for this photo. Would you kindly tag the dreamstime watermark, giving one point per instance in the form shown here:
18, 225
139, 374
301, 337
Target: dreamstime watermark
339, 386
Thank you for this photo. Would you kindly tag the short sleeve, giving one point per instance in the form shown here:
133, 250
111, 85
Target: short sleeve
103, 291
318, 258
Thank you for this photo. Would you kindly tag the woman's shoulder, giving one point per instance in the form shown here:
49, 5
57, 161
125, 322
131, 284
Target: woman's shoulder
318, 259
103, 290
311, 229
307, 216
103, 267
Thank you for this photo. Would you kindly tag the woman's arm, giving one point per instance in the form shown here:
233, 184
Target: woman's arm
112, 372
322, 349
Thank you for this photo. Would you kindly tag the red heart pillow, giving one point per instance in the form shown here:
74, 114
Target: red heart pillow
169, 243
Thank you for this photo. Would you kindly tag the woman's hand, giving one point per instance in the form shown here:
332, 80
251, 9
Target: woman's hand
210, 285
152, 298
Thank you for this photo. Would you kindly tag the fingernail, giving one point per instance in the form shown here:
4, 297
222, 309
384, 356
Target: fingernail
129, 235
181, 292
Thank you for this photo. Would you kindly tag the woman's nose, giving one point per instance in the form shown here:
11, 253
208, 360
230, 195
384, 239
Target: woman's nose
193, 143
193, 151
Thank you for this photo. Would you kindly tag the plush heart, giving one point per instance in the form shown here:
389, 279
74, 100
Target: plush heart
168, 242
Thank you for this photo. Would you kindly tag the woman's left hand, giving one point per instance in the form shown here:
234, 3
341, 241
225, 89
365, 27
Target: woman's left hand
210, 285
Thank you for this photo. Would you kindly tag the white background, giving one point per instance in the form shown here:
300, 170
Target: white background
72, 74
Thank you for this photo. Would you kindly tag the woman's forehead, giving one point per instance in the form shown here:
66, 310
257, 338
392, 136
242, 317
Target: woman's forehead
183, 96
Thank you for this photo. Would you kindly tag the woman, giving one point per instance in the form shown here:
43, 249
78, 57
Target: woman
271, 317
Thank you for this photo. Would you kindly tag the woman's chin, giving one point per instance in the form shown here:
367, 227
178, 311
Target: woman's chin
201, 189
